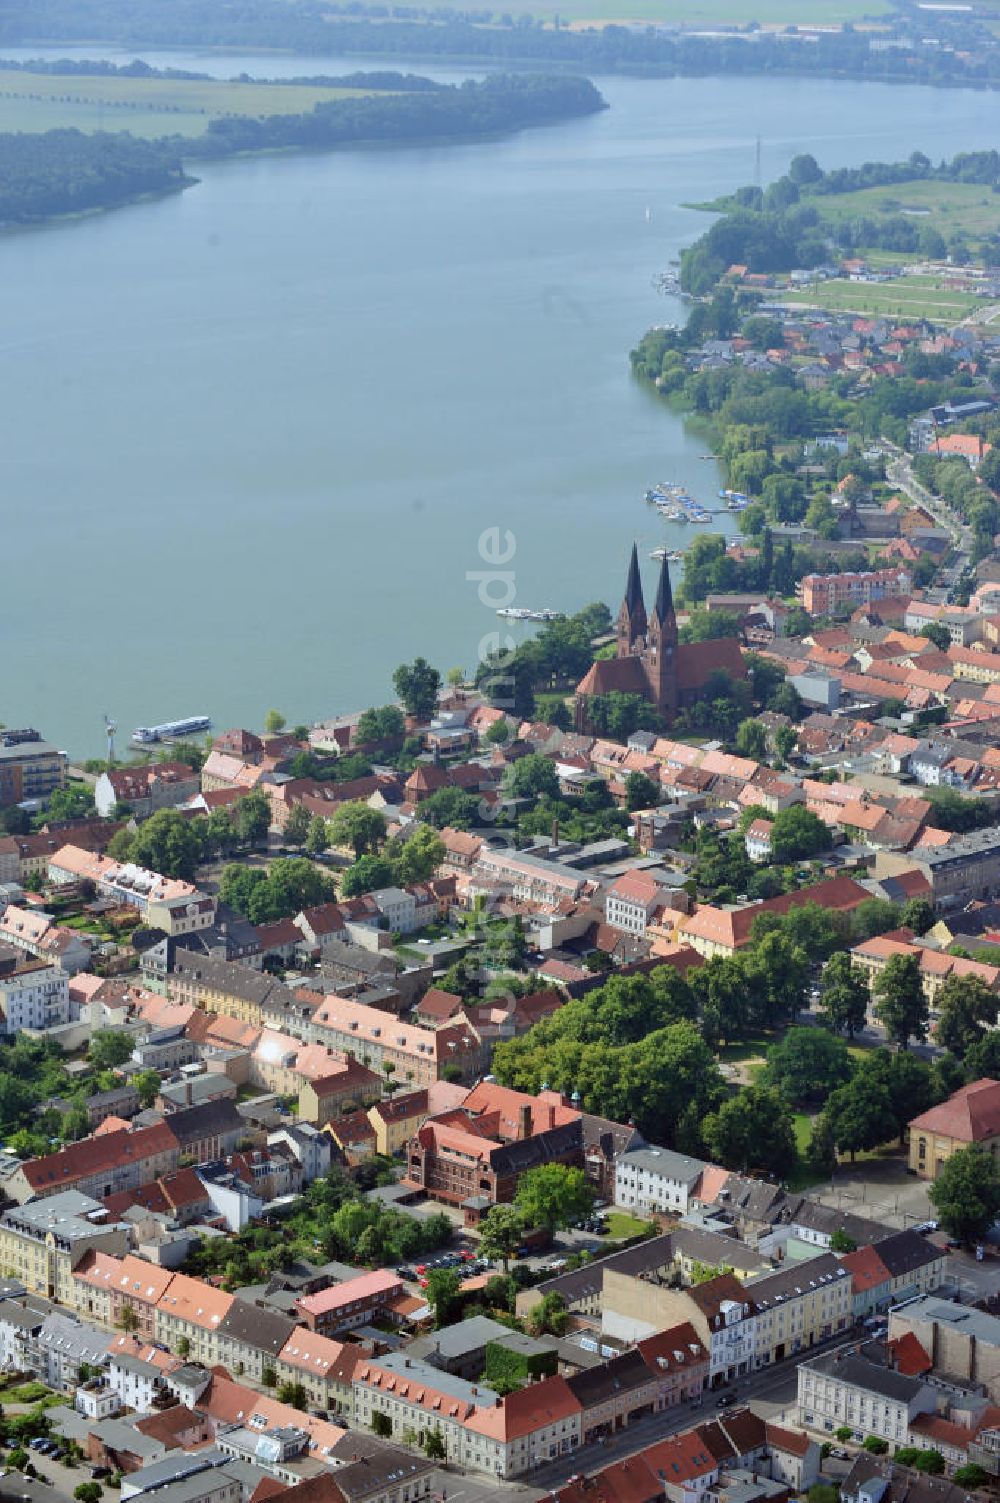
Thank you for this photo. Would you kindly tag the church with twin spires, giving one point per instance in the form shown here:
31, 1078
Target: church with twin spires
649, 660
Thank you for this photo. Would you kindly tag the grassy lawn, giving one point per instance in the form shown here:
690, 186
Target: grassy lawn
621, 1226
753, 1048
947, 206
907, 297
31, 1393
144, 106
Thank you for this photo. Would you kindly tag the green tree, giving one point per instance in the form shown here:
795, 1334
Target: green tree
385, 724
938, 633
381, 1425
553, 1196
183, 1346
900, 1005
785, 742
297, 825
109, 1049
418, 857
966, 1195
967, 1009
499, 733
129, 1321
74, 801
88, 1492
970, 1475
533, 775
318, 836
170, 843
753, 1130
368, 874
417, 685
640, 792
840, 1242
434, 1446
443, 1285
356, 825
751, 740
859, 1116
808, 1064
449, 808
844, 994
500, 1233
274, 723
147, 1083
797, 833
549, 1317
918, 915
252, 818
293, 1393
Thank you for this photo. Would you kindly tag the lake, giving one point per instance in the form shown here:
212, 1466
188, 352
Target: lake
254, 433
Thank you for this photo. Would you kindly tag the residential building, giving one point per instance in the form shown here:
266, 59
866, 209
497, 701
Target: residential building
859, 1388
936, 966
631, 901
656, 1179
964, 870
38, 935
343, 1085
224, 987
29, 767
834, 594
396, 1118
44, 1242
33, 997
970, 1116
145, 789
799, 1306
356, 1302
418, 1056
323, 1366
165, 903
721, 1312
99, 1166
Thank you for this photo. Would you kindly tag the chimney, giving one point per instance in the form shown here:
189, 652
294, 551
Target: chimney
550, 1113
555, 831
523, 1123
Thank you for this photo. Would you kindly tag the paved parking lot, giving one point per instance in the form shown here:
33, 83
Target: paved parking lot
879, 1189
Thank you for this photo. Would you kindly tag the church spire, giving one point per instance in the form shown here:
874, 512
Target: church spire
633, 586
663, 609
632, 624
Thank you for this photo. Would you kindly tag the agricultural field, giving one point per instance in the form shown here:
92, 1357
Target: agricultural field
147, 107
946, 206
914, 296
697, 13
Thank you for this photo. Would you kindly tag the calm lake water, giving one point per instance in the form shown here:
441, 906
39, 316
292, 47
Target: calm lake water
252, 433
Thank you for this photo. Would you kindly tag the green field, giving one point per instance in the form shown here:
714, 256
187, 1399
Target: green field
622, 1226
145, 106
697, 13
906, 297
946, 206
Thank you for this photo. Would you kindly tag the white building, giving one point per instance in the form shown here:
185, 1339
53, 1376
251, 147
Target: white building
844, 1388
35, 996
656, 1179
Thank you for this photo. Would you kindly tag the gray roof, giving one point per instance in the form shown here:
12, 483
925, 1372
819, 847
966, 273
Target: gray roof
646, 1257
714, 1249
789, 1282
459, 1340
665, 1162
962, 1318
446, 1383
177, 1464
257, 1327
904, 1252
65, 1215
121, 1435
847, 1365
368, 1469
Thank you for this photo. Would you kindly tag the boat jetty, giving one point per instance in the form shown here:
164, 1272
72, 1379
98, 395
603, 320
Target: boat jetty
522, 613
677, 504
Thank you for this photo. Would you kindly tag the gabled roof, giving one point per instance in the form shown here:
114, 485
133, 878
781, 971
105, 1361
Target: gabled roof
971, 1115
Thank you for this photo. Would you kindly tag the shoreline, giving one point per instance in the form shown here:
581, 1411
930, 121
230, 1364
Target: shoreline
11, 227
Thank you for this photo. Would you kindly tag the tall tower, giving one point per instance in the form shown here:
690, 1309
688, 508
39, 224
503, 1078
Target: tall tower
660, 656
631, 624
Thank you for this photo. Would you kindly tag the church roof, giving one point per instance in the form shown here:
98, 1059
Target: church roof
615, 675
697, 660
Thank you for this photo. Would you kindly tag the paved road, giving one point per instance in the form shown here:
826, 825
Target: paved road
770, 1392
899, 472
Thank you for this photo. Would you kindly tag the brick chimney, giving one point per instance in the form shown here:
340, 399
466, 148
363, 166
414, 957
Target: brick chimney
523, 1123
550, 1113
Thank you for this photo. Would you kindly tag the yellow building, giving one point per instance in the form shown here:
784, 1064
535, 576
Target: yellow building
396, 1119
970, 1117
42, 1243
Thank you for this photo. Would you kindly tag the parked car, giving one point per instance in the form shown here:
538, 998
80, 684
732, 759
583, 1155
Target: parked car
725, 1401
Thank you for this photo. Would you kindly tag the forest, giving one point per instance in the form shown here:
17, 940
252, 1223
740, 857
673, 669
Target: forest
67, 172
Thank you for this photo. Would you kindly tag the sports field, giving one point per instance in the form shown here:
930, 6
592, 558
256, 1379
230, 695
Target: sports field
145, 106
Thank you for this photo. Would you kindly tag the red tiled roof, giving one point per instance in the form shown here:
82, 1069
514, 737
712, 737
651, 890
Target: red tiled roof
972, 1115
